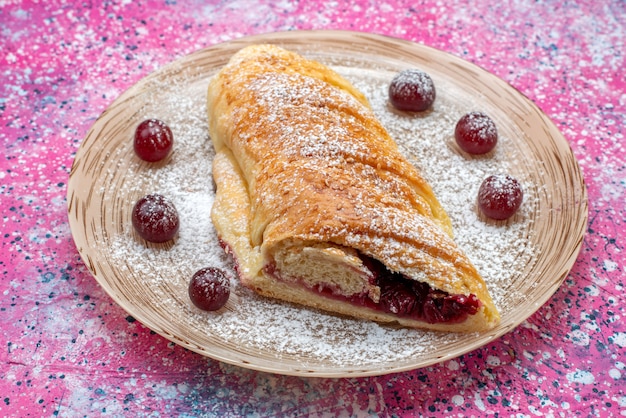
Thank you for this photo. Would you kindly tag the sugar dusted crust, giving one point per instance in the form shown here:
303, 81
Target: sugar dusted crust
307, 179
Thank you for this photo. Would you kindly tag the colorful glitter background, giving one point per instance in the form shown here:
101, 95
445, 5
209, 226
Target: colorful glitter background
69, 350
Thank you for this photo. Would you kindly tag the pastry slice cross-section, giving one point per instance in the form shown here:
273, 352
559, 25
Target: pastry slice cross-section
318, 206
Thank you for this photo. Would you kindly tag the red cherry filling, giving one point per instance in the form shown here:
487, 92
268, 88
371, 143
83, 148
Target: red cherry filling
404, 297
408, 298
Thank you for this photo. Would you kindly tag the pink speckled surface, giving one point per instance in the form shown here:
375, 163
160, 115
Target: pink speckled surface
69, 350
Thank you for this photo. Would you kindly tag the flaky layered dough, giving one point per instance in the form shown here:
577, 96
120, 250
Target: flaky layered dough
310, 184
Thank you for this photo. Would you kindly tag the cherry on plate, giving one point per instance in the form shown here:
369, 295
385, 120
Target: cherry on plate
412, 90
155, 218
500, 196
153, 140
476, 133
209, 289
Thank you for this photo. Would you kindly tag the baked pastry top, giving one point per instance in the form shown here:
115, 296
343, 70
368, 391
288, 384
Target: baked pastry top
318, 206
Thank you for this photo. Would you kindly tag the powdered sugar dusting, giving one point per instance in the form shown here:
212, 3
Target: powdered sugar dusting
253, 323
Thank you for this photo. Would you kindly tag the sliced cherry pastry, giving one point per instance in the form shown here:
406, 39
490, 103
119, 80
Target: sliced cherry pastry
412, 90
476, 133
500, 196
153, 140
209, 289
155, 218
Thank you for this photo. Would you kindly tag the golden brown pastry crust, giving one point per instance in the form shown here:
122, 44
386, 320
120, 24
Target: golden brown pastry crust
302, 162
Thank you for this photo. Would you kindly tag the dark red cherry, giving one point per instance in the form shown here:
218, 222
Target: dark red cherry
155, 218
397, 297
209, 289
500, 196
476, 133
153, 140
412, 90
413, 299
